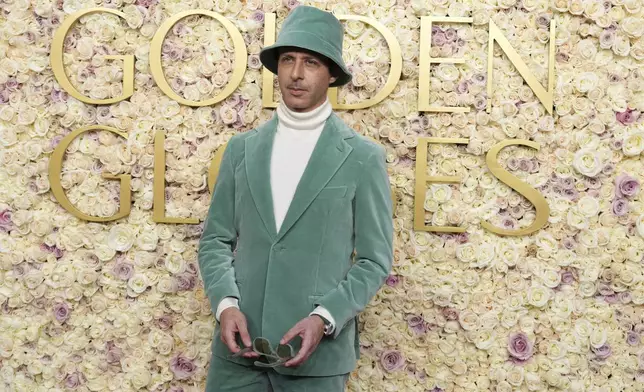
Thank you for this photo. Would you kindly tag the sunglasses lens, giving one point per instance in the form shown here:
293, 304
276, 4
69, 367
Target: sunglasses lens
262, 346
285, 351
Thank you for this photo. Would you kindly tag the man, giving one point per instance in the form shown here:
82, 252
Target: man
293, 199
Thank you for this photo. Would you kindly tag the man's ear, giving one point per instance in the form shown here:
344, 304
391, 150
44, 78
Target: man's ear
333, 79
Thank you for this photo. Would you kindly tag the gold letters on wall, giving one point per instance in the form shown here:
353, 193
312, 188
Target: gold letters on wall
495, 35
57, 63
540, 204
157, 70
56, 166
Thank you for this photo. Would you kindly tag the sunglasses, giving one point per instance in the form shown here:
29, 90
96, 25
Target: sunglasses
275, 357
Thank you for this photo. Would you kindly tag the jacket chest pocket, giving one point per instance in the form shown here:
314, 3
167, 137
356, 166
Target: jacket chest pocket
333, 192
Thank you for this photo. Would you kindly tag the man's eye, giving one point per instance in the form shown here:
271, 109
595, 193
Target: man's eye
286, 59
311, 62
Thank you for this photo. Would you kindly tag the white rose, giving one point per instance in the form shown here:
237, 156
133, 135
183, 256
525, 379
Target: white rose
538, 296
587, 162
484, 339
586, 81
139, 377
640, 225
551, 278
148, 239
468, 320
576, 219
120, 238
175, 263
632, 26
467, 252
588, 206
633, 144
441, 192
598, 337
515, 376
138, 283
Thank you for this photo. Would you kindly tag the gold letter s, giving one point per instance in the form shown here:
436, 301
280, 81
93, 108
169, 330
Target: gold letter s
540, 204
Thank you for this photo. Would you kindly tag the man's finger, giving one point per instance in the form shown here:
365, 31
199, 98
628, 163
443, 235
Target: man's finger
293, 332
305, 351
243, 332
228, 336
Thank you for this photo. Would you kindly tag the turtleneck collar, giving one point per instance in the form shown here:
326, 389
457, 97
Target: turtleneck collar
306, 121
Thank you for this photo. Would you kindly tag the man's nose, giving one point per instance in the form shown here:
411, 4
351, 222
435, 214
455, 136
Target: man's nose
297, 71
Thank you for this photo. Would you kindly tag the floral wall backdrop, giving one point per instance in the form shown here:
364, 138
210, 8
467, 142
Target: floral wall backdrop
119, 306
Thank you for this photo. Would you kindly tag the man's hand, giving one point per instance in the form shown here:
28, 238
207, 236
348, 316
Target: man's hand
311, 330
233, 321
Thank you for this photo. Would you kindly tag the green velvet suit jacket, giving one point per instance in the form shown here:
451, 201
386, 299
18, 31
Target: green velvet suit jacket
342, 203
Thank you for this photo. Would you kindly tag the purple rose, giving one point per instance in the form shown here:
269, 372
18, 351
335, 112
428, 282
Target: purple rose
606, 39
123, 270
439, 39
627, 117
416, 324
567, 277
620, 207
254, 62
611, 299
626, 186
543, 20
513, 163
62, 312
461, 238
164, 322
72, 381
480, 79
605, 289
392, 280
508, 222
602, 352
258, 16
290, 4
625, 297
569, 243
462, 87
5, 220
450, 314
185, 282
633, 338
520, 347
182, 367
113, 355
392, 360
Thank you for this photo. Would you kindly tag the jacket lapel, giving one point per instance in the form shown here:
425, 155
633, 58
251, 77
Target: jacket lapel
328, 155
258, 165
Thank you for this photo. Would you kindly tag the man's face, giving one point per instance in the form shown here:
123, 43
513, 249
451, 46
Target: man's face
304, 79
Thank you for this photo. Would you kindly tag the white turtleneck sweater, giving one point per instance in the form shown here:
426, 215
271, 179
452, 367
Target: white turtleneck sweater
296, 137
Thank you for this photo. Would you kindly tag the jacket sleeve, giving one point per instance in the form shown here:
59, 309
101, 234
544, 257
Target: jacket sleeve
373, 230
219, 237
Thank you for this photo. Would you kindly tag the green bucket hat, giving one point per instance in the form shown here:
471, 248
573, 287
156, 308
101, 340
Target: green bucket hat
312, 29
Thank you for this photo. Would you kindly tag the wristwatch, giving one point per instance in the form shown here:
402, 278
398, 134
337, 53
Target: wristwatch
327, 325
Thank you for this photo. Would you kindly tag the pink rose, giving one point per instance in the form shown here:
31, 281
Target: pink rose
392, 360
626, 186
519, 347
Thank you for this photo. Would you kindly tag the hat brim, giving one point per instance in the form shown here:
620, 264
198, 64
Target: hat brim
268, 56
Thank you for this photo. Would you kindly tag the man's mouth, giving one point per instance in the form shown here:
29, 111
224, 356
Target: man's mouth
296, 91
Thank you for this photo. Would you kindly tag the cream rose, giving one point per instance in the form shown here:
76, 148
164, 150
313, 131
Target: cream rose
587, 162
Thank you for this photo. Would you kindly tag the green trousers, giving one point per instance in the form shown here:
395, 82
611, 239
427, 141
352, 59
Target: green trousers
228, 376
